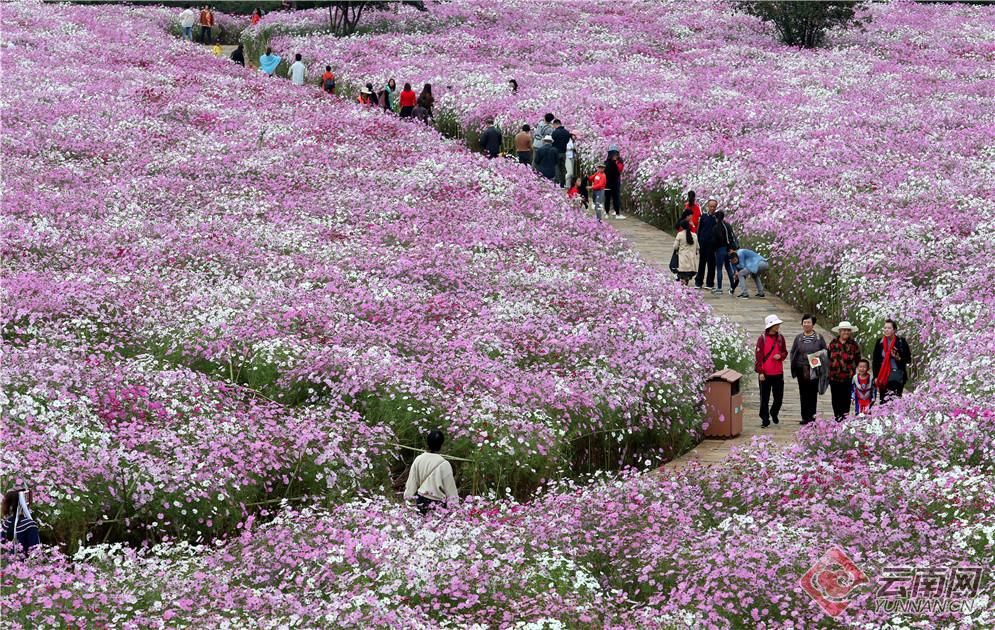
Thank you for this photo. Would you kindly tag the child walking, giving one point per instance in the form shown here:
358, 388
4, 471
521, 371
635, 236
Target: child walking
863, 388
598, 182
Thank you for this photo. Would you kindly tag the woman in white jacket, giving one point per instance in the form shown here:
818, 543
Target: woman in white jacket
686, 246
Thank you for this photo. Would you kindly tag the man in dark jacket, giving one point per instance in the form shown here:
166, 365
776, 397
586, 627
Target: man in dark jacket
723, 240
490, 140
890, 376
560, 139
706, 246
546, 158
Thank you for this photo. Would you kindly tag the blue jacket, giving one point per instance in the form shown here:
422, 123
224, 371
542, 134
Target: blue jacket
706, 229
749, 260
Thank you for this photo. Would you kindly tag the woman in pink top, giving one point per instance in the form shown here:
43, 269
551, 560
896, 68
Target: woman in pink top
768, 362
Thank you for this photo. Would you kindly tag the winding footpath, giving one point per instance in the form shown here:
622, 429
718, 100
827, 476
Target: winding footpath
655, 247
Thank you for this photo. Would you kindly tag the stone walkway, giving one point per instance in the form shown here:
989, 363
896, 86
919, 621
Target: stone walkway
655, 246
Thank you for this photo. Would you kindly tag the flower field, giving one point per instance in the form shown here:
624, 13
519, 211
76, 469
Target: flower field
209, 307
227, 300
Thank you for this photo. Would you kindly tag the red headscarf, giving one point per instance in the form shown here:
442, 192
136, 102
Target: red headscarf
885, 371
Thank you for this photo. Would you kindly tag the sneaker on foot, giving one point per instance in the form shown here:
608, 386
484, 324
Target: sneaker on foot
774, 420
732, 291
716, 290
761, 295
764, 424
744, 296
619, 216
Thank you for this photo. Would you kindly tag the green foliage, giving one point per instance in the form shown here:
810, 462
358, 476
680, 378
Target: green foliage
805, 23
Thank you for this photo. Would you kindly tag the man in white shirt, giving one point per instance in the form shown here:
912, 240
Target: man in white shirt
430, 481
186, 23
297, 70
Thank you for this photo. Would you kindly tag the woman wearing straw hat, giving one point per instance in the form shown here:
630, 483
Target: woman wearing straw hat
844, 354
768, 363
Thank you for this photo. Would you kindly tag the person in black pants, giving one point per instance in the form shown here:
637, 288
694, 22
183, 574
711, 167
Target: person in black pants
706, 246
613, 185
806, 343
844, 355
768, 363
890, 376
560, 139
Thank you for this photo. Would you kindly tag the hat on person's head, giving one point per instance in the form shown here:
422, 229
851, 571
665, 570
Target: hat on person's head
711, 199
844, 325
614, 148
772, 320
547, 138
365, 91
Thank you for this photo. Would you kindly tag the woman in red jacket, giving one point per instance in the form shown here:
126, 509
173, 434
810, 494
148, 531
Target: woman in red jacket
695, 209
408, 100
768, 363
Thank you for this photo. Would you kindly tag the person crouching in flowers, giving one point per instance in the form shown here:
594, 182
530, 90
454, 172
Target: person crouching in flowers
17, 522
430, 481
863, 388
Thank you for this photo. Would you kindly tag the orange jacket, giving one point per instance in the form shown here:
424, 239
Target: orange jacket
598, 181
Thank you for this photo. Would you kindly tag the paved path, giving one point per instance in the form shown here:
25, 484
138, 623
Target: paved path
655, 246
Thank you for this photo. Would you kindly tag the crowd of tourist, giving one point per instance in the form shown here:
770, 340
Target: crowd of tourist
854, 382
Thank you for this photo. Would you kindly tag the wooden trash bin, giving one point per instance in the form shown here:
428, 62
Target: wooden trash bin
723, 404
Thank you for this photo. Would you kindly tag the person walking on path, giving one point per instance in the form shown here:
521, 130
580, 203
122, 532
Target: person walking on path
490, 139
561, 137
706, 240
206, 24
18, 525
546, 158
269, 62
863, 388
297, 70
723, 239
695, 209
328, 80
613, 173
238, 55
598, 182
187, 18
543, 129
891, 360
523, 145
807, 342
430, 481
844, 354
748, 263
768, 363
686, 246
426, 99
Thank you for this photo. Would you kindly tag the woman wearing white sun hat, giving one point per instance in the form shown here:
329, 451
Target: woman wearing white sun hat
768, 363
844, 354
